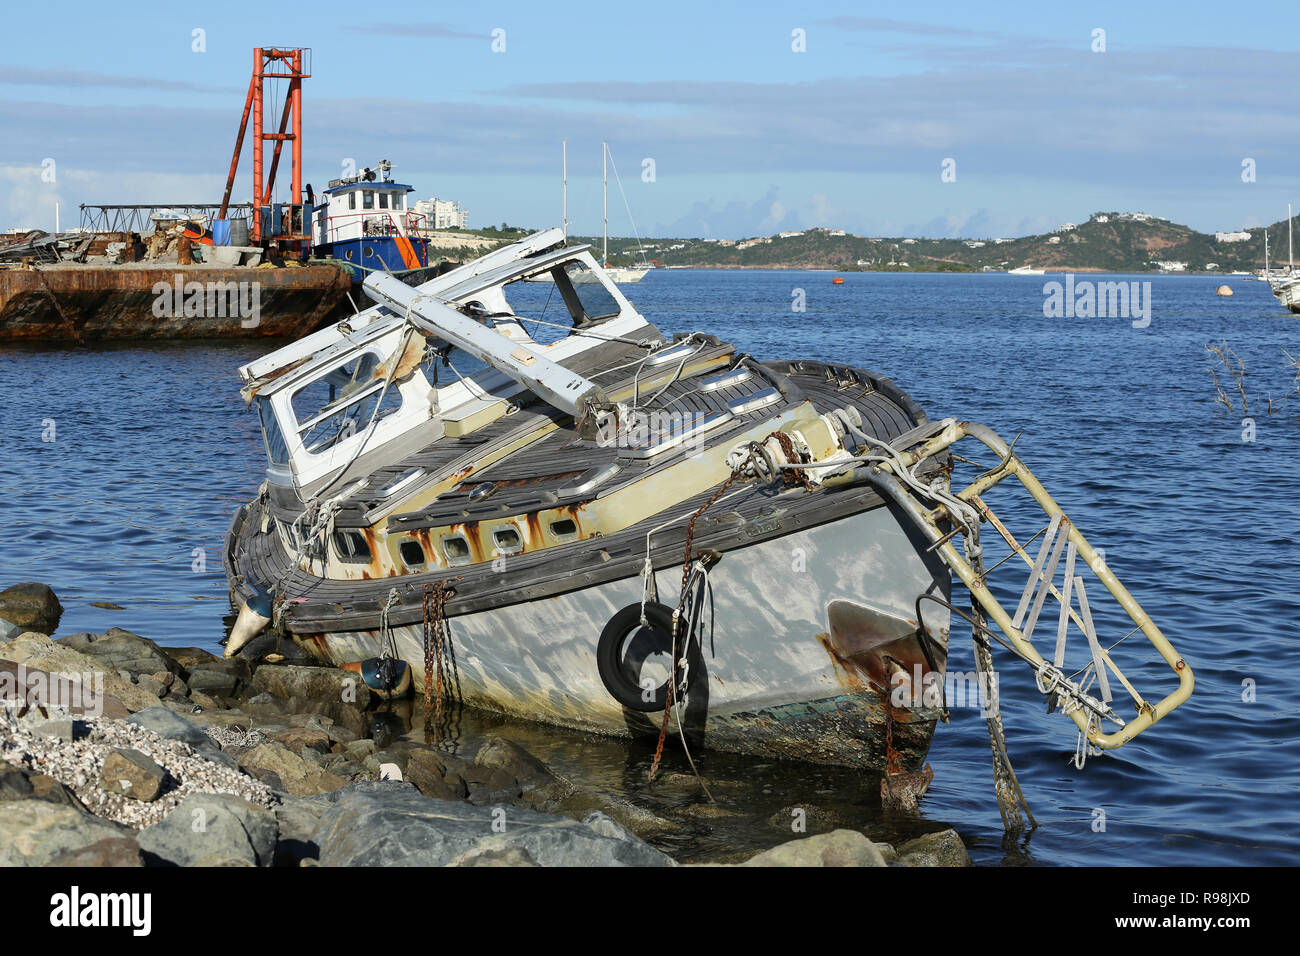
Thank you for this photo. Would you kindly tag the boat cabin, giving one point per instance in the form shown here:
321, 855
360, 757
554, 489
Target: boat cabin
376, 387
364, 221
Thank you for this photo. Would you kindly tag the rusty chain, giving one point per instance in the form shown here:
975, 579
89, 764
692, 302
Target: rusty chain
794, 476
436, 636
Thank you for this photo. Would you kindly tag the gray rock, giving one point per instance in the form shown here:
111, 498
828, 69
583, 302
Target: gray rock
166, 723
191, 657
9, 630
209, 828
58, 728
14, 783
153, 684
122, 651
32, 607
297, 818
501, 754
111, 851
398, 826
35, 832
214, 682
298, 777
837, 848
943, 848
325, 684
132, 774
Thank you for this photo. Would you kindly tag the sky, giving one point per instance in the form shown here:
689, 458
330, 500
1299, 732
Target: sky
724, 119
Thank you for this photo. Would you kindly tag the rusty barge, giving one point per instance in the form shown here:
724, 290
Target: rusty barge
570, 516
77, 303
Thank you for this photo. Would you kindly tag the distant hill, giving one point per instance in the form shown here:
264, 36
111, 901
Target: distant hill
1107, 242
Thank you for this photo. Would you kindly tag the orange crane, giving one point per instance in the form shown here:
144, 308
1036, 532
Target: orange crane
285, 225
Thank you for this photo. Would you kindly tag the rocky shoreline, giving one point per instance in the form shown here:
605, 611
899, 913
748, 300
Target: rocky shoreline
183, 758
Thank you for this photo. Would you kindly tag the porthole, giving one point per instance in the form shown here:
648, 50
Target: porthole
507, 541
456, 549
352, 547
412, 553
348, 253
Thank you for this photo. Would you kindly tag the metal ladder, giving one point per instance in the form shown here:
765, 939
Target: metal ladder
942, 515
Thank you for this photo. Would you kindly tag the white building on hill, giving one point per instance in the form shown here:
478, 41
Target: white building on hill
442, 214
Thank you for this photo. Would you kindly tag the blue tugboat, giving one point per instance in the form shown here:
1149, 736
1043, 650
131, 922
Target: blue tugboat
363, 221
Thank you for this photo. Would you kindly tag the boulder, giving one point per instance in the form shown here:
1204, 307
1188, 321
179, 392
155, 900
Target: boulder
172, 726
9, 630
393, 824
213, 682
168, 724
837, 848
35, 832
38, 651
191, 657
502, 754
32, 607
943, 848
491, 786
437, 775
298, 777
329, 684
211, 829
154, 684
132, 774
14, 783
123, 651
110, 851
31, 685
299, 738
814, 819
297, 818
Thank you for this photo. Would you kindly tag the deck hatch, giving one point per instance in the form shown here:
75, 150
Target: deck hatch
752, 403
676, 434
734, 377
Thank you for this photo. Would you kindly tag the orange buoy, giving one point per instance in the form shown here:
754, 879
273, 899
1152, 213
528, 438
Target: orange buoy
838, 280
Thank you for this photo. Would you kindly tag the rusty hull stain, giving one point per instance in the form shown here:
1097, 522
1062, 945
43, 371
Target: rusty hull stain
867, 647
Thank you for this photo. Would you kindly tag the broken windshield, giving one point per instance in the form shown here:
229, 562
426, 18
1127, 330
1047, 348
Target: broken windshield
342, 402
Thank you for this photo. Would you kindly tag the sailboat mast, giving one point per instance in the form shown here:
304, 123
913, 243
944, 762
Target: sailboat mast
564, 176
1290, 249
604, 189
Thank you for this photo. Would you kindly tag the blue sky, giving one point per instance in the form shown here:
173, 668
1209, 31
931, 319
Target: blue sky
747, 136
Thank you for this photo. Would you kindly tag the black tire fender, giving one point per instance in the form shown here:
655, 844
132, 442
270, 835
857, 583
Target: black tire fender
614, 671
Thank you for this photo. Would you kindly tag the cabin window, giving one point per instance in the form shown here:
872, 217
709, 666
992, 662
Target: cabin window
507, 541
367, 199
342, 403
352, 547
352, 200
276, 448
566, 529
587, 300
383, 200
412, 553
456, 549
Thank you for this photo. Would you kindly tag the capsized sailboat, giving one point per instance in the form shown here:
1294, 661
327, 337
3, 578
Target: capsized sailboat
574, 517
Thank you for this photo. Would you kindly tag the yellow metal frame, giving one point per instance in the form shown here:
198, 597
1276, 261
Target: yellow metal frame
1011, 465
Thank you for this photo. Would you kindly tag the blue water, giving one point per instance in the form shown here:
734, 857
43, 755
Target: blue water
153, 450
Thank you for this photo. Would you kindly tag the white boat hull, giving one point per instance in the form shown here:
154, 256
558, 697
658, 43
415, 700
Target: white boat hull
788, 678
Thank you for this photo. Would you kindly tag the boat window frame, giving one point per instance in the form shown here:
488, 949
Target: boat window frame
341, 404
